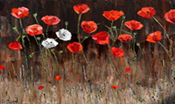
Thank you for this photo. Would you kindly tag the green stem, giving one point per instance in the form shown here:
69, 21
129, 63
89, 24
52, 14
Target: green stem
20, 22
121, 25
162, 28
78, 27
165, 50
38, 24
47, 30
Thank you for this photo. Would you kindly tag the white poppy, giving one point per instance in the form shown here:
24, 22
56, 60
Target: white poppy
64, 34
49, 43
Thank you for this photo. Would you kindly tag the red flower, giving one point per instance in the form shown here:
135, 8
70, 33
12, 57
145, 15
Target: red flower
127, 70
81, 8
57, 77
133, 25
170, 16
147, 12
2, 67
113, 15
41, 87
124, 38
154, 37
50, 20
114, 87
15, 45
20, 12
89, 26
117, 52
101, 37
74, 47
34, 29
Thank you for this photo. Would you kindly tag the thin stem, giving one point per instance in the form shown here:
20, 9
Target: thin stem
47, 30
165, 50
162, 28
36, 41
78, 27
20, 22
38, 24
121, 25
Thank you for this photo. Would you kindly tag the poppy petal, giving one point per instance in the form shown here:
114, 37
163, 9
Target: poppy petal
127, 70
114, 87
154, 37
101, 38
2, 67
15, 45
20, 12
81, 8
117, 52
74, 47
113, 15
34, 30
147, 12
57, 77
89, 26
40, 87
50, 20
125, 38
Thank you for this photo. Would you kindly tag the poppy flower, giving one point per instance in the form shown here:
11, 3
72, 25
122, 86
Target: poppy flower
15, 45
127, 70
113, 15
57, 78
170, 16
74, 47
49, 43
114, 87
117, 52
41, 87
89, 26
20, 12
101, 38
34, 29
133, 25
2, 67
81, 8
50, 20
154, 37
147, 12
64, 34
124, 38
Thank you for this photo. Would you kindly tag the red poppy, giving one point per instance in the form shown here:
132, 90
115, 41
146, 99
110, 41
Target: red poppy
15, 45
117, 52
147, 12
113, 15
81, 8
133, 25
2, 67
34, 29
20, 12
57, 77
170, 16
114, 87
41, 87
124, 38
127, 70
74, 47
154, 37
101, 37
50, 20
89, 26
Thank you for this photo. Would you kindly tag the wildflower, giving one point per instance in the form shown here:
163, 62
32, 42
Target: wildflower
89, 26
117, 52
64, 34
114, 87
41, 87
133, 25
127, 70
154, 37
49, 43
15, 45
81, 8
74, 47
34, 29
147, 12
2, 67
50, 20
170, 16
57, 78
101, 38
20, 12
125, 38
113, 15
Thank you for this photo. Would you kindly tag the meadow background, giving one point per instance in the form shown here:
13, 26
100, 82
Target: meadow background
151, 80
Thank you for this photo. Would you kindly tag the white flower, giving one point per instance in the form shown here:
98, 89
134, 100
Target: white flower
49, 43
64, 34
